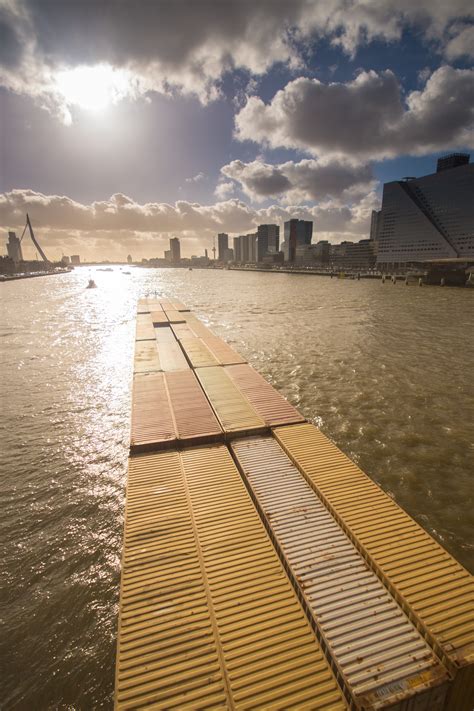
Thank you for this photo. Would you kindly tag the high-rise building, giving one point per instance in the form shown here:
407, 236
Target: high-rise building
454, 160
427, 218
14, 248
238, 249
268, 239
297, 233
75, 259
222, 246
375, 224
129, 259
175, 249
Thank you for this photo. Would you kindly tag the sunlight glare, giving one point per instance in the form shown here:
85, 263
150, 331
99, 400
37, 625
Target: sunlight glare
93, 88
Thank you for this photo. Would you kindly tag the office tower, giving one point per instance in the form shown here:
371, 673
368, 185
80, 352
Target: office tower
238, 249
304, 232
222, 246
14, 248
268, 238
375, 224
175, 250
75, 259
427, 218
454, 160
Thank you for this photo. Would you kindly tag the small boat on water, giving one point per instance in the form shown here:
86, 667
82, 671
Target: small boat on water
91, 284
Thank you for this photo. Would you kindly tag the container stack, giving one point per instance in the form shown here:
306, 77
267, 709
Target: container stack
261, 567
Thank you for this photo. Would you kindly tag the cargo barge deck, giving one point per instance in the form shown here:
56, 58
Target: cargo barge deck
261, 567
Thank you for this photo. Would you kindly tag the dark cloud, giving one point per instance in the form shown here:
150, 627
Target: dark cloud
180, 45
367, 118
305, 180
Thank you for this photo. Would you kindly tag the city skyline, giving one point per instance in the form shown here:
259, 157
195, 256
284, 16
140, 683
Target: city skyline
117, 142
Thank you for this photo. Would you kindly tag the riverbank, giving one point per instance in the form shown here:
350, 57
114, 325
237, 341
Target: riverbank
31, 275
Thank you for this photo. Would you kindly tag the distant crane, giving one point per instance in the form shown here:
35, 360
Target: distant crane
33, 239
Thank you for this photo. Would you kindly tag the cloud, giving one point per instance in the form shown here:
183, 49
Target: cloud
196, 178
296, 182
462, 44
365, 119
224, 189
187, 47
105, 229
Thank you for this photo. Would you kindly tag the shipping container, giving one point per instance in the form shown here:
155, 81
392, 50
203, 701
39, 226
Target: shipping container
193, 416
173, 315
197, 326
224, 354
178, 305
144, 330
197, 352
154, 305
142, 306
381, 656
428, 582
267, 402
159, 318
233, 410
165, 335
146, 357
171, 409
208, 617
152, 420
182, 330
172, 357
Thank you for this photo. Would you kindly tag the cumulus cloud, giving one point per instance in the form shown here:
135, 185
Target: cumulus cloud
462, 44
367, 118
187, 47
299, 181
105, 229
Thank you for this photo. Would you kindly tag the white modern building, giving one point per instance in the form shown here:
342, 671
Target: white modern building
428, 218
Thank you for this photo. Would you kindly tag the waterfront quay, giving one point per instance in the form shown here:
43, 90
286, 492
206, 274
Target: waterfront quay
261, 567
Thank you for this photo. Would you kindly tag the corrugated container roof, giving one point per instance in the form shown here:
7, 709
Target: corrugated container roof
224, 354
144, 329
178, 305
159, 318
182, 330
173, 315
192, 413
197, 326
267, 402
164, 335
146, 357
197, 352
171, 408
428, 580
208, 618
172, 357
381, 656
154, 305
232, 408
152, 420
142, 306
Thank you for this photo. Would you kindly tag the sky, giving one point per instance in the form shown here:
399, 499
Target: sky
126, 122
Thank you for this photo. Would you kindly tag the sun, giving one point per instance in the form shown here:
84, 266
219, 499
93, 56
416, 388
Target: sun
92, 88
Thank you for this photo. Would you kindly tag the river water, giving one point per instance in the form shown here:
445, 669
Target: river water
384, 370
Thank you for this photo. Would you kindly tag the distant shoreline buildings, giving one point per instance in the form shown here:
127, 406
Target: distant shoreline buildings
421, 220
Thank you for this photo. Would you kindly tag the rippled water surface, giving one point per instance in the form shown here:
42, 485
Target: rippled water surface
384, 370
